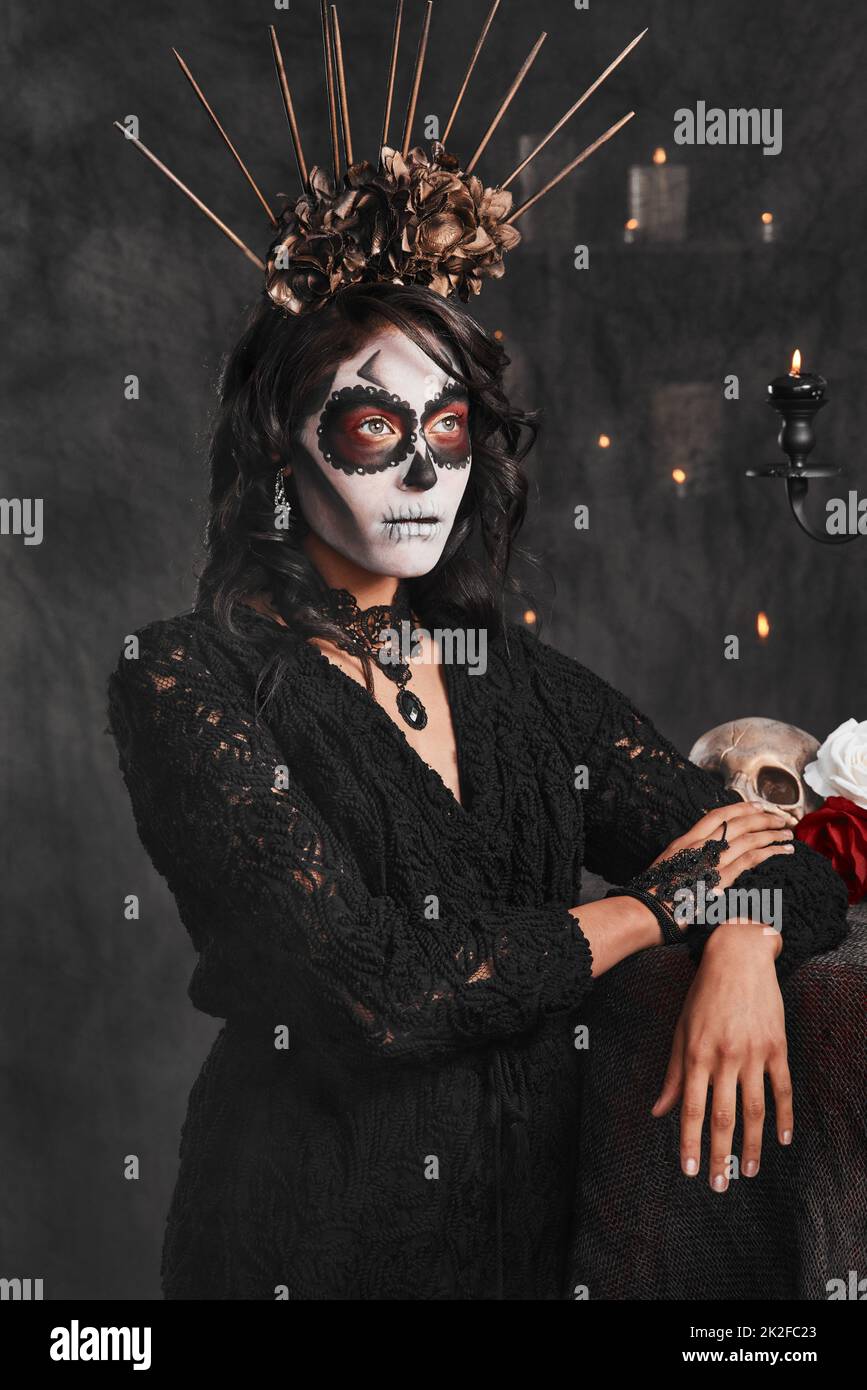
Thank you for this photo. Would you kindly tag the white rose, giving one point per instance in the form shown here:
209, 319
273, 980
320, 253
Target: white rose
840, 768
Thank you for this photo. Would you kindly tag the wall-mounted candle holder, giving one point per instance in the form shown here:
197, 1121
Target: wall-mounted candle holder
798, 397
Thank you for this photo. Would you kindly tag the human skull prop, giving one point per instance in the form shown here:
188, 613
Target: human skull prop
762, 760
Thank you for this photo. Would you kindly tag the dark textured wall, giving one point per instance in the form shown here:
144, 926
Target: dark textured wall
108, 271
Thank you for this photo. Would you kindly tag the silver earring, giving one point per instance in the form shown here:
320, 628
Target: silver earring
282, 505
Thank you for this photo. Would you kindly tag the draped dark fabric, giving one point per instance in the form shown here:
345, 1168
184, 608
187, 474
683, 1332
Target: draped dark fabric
646, 1232
391, 1110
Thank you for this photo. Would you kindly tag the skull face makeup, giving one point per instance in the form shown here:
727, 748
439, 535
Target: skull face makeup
384, 464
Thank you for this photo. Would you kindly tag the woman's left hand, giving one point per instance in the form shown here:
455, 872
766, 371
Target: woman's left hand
730, 1033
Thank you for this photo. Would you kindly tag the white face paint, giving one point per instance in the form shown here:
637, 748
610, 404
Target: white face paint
385, 463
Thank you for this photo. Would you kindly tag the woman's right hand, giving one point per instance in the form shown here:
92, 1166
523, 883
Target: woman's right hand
753, 833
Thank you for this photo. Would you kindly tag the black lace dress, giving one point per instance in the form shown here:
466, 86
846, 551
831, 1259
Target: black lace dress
390, 1110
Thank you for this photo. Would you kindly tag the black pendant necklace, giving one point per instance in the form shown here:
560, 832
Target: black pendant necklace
366, 630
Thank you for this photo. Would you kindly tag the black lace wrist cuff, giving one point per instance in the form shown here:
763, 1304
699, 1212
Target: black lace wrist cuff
671, 935
669, 888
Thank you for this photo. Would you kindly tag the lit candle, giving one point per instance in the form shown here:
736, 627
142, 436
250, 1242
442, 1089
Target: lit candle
763, 627
768, 227
797, 399
685, 426
798, 385
658, 198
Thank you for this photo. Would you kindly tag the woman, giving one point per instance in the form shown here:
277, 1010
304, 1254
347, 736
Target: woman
379, 860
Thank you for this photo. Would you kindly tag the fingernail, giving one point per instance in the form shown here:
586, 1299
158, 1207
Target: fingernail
788, 849
690, 1167
719, 1183
786, 1137
751, 1167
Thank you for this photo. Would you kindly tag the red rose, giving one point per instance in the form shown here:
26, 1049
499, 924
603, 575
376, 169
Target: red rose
839, 831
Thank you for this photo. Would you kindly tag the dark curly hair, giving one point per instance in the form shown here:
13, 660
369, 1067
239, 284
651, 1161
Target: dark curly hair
271, 382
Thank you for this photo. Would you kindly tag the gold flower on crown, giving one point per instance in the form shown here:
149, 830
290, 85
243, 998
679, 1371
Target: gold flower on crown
418, 220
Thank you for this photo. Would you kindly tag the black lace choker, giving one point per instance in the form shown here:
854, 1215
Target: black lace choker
367, 630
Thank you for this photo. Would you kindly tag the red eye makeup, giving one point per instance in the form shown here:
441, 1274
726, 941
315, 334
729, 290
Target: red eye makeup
364, 429
446, 427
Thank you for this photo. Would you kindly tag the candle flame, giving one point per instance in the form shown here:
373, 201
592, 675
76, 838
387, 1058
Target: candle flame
604, 441
659, 156
795, 369
632, 224
767, 218
678, 475
529, 616
763, 627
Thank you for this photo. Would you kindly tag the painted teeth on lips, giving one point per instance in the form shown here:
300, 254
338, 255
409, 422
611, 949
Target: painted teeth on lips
415, 513
405, 528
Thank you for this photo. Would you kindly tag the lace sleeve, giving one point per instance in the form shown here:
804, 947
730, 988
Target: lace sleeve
642, 794
291, 913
